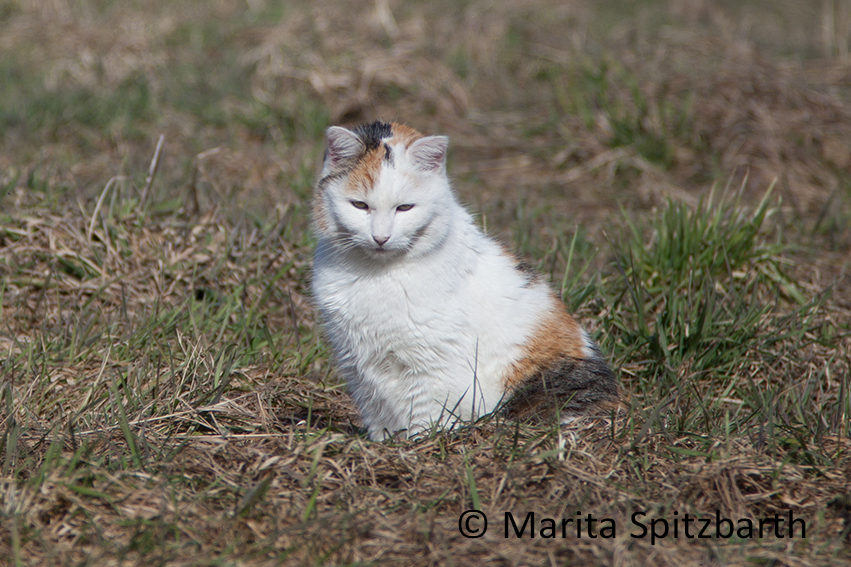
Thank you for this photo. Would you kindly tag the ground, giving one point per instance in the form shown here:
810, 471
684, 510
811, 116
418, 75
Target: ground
678, 170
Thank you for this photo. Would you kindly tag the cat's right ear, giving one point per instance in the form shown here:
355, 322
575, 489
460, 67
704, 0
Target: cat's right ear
429, 154
344, 147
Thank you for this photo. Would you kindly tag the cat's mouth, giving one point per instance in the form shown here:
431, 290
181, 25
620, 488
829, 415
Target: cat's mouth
384, 252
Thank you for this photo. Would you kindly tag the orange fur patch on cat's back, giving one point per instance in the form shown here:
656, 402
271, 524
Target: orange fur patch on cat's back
557, 337
362, 178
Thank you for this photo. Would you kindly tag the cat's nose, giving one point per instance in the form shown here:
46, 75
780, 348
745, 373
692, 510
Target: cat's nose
380, 240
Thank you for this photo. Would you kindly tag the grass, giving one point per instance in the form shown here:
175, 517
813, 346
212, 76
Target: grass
166, 396
707, 300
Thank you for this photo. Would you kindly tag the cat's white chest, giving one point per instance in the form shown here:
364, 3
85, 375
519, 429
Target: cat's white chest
404, 310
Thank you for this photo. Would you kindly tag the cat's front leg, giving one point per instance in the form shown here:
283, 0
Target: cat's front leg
400, 402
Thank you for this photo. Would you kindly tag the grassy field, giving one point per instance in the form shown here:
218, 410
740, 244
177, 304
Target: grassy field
681, 171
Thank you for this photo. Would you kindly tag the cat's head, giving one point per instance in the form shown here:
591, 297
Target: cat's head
383, 191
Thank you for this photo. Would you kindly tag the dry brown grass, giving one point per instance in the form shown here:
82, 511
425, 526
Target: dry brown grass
165, 396
503, 80
336, 499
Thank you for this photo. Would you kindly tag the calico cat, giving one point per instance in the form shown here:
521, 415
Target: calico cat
430, 320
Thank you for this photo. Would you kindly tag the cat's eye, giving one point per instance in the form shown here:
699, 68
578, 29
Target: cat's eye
360, 205
404, 208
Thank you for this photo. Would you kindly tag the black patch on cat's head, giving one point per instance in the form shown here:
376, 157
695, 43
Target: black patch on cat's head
388, 154
372, 134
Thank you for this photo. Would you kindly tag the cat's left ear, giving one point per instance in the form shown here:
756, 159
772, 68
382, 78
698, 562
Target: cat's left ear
429, 154
344, 147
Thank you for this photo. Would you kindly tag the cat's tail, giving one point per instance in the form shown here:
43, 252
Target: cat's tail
570, 388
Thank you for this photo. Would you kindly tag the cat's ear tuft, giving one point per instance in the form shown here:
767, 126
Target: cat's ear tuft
429, 154
343, 147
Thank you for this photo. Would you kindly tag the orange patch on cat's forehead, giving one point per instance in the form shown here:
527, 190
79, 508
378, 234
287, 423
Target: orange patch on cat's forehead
364, 175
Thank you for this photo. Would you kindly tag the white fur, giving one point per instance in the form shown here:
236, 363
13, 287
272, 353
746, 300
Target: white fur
426, 326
